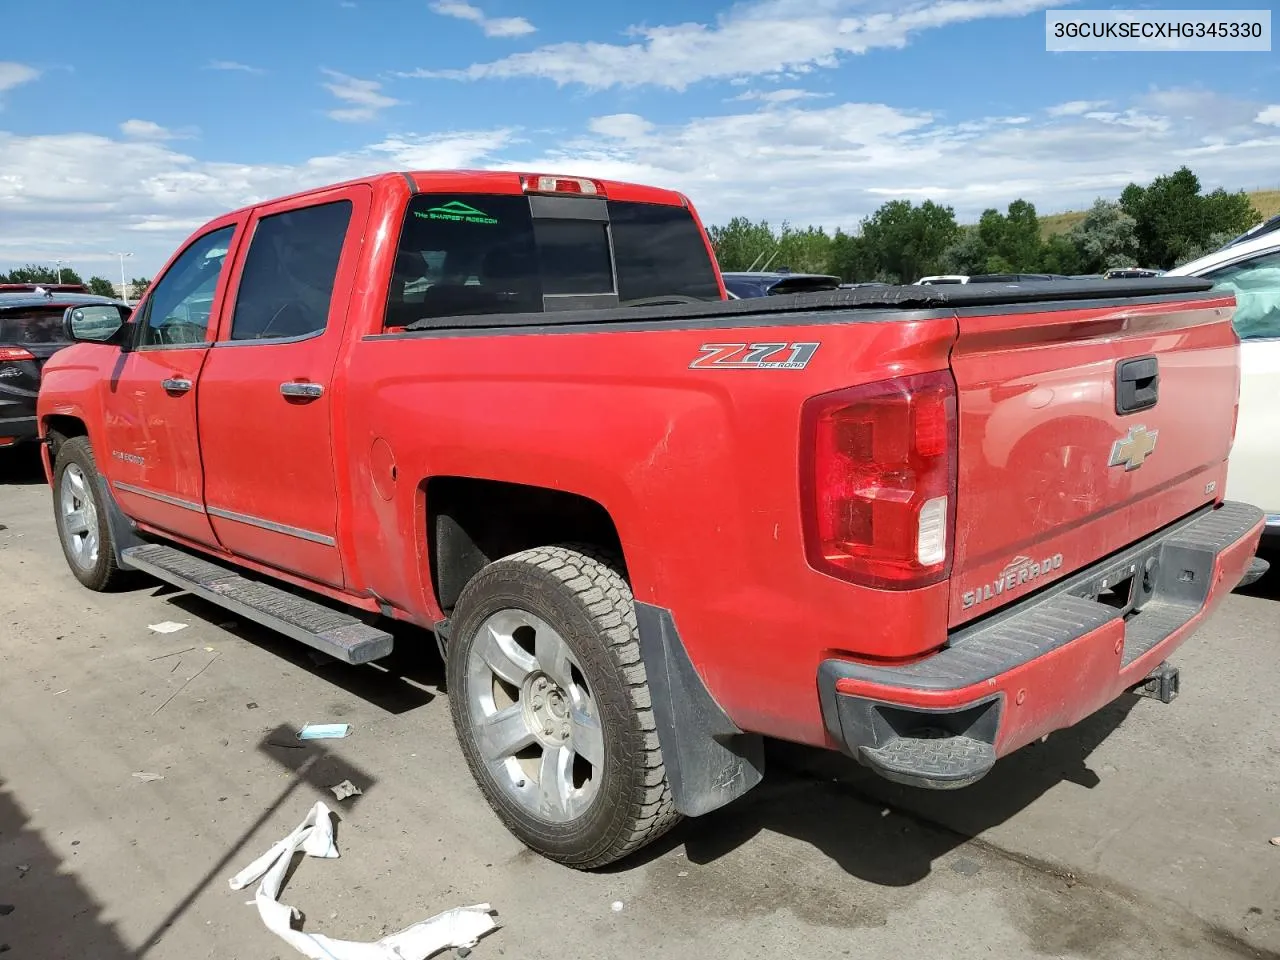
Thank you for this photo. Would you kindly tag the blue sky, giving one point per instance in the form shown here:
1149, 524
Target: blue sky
141, 121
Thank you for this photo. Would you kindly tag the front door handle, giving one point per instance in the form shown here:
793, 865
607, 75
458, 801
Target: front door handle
176, 385
306, 391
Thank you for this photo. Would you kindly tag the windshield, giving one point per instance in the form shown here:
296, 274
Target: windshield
484, 254
32, 325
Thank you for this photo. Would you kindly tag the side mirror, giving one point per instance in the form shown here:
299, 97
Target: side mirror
95, 322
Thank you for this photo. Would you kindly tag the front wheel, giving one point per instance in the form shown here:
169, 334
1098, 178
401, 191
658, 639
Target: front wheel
551, 705
81, 518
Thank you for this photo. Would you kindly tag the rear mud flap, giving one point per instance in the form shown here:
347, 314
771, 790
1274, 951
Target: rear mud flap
710, 762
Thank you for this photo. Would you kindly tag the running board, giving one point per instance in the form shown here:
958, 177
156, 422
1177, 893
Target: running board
331, 631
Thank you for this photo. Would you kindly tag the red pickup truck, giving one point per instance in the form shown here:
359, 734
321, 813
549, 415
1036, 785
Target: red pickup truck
649, 525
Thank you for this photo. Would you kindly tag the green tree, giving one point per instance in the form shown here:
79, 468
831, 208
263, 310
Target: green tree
906, 242
1105, 238
850, 258
138, 286
39, 273
1214, 242
966, 255
1010, 240
1173, 218
101, 286
1060, 254
803, 251
741, 244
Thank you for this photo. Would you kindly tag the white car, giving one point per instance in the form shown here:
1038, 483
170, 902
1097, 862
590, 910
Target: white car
1249, 267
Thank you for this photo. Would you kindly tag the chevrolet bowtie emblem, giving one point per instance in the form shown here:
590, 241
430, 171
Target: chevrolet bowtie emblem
1132, 451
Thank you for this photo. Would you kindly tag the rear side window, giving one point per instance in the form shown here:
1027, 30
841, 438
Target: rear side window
31, 325
660, 253
484, 254
289, 272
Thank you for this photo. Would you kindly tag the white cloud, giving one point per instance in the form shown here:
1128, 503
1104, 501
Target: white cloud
836, 163
233, 65
150, 130
79, 196
765, 37
492, 26
1269, 115
789, 95
828, 163
14, 75
1076, 108
364, 96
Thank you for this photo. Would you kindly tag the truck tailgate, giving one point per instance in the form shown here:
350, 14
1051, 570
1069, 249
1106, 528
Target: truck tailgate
1063, 456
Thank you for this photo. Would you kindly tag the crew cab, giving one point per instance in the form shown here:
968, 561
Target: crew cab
646, 524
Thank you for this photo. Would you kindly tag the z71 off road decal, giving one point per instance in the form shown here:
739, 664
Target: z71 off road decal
756, 356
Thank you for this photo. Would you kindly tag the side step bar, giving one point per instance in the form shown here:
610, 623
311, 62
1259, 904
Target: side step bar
331, 631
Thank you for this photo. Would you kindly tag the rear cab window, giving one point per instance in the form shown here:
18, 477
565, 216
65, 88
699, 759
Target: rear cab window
485, 254
38, 324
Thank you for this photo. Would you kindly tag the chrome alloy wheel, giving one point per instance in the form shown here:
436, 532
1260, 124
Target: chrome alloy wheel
79, 517
533, 716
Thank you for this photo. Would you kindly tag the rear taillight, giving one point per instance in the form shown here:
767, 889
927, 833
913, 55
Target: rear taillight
578, 186
14, 354
878, 476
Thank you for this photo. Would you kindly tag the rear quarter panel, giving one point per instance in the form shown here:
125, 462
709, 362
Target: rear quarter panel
697, 467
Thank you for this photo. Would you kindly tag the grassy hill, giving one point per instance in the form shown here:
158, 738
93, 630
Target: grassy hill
1266, 202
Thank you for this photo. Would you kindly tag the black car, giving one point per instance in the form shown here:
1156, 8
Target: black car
30, 333
744, 285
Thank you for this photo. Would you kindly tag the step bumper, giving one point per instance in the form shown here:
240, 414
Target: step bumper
1042, 664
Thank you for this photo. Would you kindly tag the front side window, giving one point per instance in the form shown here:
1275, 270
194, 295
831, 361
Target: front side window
288, 277
180, 302
1256, 285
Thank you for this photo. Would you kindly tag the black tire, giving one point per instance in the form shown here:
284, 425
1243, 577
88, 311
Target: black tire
584, 598
103, 573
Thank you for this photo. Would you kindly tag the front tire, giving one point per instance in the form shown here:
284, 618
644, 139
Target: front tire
551, 706
81, 517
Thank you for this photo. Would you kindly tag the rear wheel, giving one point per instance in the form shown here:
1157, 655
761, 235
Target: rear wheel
551, 705
81, 518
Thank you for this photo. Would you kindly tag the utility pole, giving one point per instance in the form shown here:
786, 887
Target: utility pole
124, 289
58, 264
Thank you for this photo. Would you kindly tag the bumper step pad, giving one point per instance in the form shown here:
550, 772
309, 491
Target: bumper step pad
943, 763
331, 631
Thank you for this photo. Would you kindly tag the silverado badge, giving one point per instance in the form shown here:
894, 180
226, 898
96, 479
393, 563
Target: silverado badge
1132, 451
1020, 570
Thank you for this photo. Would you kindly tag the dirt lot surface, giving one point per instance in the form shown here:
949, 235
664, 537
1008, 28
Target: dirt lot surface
1141, 833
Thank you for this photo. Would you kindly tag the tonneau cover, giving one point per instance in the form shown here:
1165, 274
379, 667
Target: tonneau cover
926, 297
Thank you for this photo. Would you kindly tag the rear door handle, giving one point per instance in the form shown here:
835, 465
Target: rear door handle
176, 385
307, 391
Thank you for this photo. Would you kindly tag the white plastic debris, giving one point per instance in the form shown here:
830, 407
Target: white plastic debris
616, 906
460, 927
346, 789
167, 626
147, 777
324, 731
